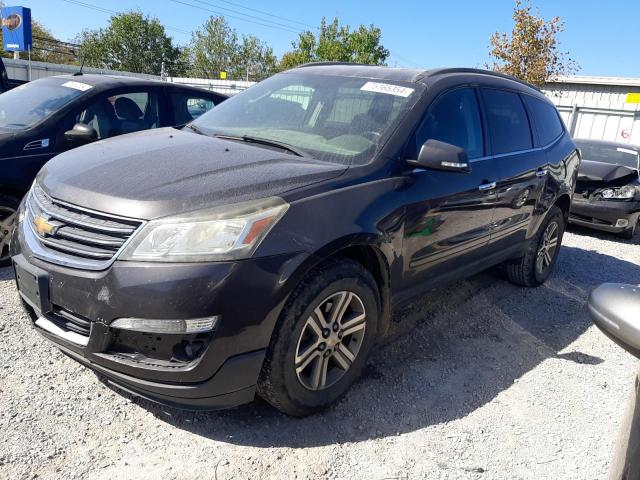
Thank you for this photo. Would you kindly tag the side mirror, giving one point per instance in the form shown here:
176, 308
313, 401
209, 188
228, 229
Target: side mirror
615, 309
437, 155
80, 134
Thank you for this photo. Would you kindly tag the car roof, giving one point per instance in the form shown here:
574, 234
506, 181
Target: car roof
411, 75
102, 82
605, 143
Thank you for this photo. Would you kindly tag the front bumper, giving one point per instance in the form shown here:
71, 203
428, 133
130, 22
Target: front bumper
247, 295
603, 215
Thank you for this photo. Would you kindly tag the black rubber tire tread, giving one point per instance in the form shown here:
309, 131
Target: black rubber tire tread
629, 233
14, 203
280, 387
522, 271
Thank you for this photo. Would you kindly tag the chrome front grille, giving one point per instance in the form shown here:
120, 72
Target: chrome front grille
73, 236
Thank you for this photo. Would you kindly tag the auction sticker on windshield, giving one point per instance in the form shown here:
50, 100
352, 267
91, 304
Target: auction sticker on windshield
83, 87
387, 88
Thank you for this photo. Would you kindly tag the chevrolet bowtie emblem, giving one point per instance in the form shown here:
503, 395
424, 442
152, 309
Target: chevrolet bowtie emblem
43, 227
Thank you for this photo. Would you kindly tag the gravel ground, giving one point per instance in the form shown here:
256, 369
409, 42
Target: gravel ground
483, 381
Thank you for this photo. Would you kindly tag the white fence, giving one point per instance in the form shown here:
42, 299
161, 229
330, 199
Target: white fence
23, 70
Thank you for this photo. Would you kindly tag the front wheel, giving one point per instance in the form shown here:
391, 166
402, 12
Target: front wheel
322, 340
629, 233
8, 214
538, 262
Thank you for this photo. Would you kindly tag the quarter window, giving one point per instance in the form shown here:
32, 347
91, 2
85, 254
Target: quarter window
187, 107
545, 118
509, 127
454, 118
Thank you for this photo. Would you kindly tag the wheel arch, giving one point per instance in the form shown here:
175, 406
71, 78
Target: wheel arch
564, 203
365, 250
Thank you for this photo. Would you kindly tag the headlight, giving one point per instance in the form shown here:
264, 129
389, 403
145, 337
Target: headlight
223, 233
618, 193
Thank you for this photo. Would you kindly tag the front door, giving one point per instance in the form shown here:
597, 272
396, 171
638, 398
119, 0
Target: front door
113, 113
449, 214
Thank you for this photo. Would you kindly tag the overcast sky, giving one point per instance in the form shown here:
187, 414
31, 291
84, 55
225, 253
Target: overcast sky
603, 36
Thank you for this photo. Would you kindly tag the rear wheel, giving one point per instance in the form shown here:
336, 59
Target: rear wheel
322, 340
538, 262
8, 215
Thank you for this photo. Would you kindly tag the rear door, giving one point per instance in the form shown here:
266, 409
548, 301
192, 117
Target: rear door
449, 214
519, 167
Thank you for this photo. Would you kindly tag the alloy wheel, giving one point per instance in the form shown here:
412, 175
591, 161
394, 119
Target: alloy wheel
330, 340
547, 248
7, 218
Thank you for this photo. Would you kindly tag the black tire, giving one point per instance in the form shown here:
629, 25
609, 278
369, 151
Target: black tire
629, 233
280, 383
8, 207
526, 271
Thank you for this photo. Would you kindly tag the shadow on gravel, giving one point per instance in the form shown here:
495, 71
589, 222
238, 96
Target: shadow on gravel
6, 273
579, 230
448, 354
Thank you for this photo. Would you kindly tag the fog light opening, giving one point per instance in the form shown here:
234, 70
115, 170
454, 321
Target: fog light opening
149, 325
622, 222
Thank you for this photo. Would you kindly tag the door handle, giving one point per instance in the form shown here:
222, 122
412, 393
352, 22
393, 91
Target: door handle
542, 172
487, 186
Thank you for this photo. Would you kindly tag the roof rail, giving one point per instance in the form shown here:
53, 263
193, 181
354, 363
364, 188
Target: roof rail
444, 71
315, 64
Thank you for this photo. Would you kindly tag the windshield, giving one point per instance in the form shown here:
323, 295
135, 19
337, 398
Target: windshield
331, 118
610, 154
28, 104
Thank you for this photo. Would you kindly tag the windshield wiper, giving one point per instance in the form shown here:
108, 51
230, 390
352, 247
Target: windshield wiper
191, 126
263, 141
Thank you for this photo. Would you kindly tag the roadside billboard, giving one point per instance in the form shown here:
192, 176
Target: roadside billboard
16, 29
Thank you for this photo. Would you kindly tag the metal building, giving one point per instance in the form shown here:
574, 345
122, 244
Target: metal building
600, 108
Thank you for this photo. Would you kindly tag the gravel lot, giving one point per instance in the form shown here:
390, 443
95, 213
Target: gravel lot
484, 381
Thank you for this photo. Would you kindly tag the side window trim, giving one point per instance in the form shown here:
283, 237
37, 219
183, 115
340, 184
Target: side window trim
519, 152
483, 119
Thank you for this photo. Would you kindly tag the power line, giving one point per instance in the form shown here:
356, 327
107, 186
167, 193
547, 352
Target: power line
275, 26
245, 14
54, 40
113, 12
268, 14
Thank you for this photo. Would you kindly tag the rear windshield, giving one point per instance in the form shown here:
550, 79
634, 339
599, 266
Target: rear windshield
332, 118
28, 104
625, 157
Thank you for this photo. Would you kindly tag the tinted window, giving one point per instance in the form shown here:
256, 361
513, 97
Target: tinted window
454, 118
188, 107
122, 113
509, 128
545, 118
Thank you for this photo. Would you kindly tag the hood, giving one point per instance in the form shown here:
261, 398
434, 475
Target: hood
605, 174
163, 172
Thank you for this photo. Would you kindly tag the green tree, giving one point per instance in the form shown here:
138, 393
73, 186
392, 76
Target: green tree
531, 52
335, 42
46, 47
132, 42
215, 47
